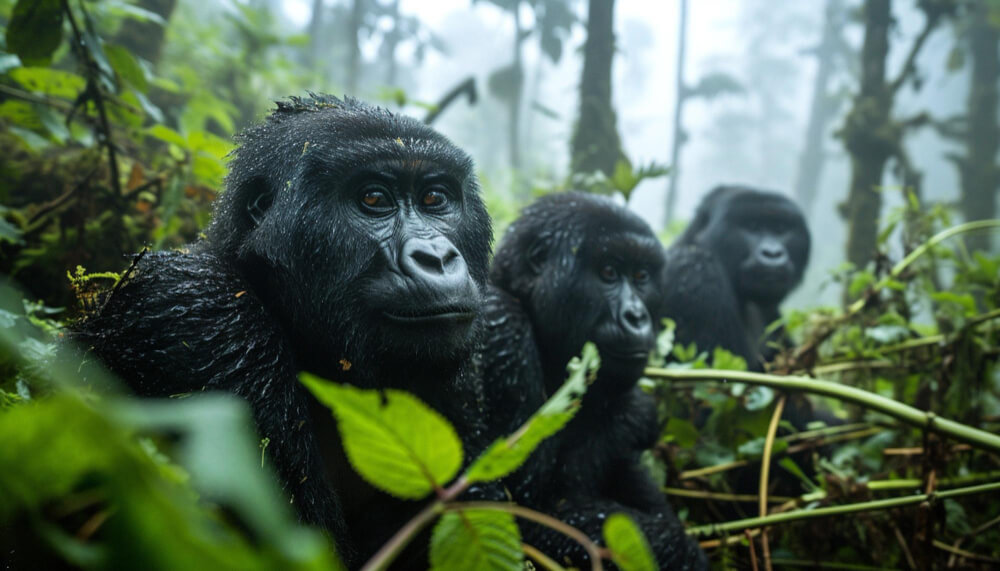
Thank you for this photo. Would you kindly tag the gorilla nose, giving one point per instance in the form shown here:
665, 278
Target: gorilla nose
636, 319
773, 254
434, 260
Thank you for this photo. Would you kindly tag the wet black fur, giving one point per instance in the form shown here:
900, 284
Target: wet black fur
539, 313
280, 285
713, 301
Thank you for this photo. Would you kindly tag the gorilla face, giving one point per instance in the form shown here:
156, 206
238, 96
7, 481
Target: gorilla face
590, 272
373, 223
762, 241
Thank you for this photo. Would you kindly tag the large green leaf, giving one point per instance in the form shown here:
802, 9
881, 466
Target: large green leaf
507, 454
396, 442
476, 539
127, 68
35, 30
628, 546
53, 82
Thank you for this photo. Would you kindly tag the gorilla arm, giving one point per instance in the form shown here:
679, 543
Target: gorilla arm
700, 299
188, 322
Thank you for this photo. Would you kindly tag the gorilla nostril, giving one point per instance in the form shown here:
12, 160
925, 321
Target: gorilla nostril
428, 260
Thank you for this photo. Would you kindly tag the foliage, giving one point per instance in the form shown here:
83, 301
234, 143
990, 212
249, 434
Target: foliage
923, 331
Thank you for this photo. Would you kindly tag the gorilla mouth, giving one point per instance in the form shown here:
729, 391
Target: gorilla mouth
445, 314
625, 354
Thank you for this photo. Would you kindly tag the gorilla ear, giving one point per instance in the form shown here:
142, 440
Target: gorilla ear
259, 206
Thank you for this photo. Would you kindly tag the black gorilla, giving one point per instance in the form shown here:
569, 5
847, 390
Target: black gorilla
576, 268
350, 242
743, 253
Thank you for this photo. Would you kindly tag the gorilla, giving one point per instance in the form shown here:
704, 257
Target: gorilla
576, 268
743, 253
351, 242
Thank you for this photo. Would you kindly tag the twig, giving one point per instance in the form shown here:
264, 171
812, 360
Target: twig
593, 550
541, 558
765, 470
62, 198
801, 515
903, 546
723, 497
98, 97
908, 66
35, 98
908, 414
753, 551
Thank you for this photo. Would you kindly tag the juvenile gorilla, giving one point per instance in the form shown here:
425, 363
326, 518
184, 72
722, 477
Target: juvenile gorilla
350, 242
576, 268
743, 253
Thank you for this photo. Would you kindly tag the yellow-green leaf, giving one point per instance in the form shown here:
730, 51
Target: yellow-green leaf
628, 546
476, 539
507, 454
392, 439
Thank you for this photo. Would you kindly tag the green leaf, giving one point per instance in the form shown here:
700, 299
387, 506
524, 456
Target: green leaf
127, 68
35, 30
394, 441
629, 549
53, 82
167, 135
476, 539
122, 9
681, 432
723, 359
507, 454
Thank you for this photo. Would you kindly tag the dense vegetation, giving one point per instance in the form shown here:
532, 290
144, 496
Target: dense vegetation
112, 141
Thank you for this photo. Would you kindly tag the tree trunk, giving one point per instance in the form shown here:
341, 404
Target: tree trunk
391, 42
145, 39
514, 104
679, 135
595, 143
822, 109
354, 52
867, 136
315, 26
979, 173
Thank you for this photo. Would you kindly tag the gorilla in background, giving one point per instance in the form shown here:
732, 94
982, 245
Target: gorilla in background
743, 253
576, 268
350, 242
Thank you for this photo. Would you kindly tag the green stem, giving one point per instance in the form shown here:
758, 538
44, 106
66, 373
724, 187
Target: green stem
897, 410
800, 515
593, 550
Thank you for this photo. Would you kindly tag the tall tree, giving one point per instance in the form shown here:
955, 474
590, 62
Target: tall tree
870, 134
354, 45
978, 169
553, 20
679, 135
831, 53
596, 145
315, 35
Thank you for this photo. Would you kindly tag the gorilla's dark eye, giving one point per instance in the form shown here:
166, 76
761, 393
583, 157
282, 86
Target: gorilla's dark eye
641, 276
434, 198
609, 273
375, 197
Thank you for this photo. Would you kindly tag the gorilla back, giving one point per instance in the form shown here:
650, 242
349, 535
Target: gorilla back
350, 242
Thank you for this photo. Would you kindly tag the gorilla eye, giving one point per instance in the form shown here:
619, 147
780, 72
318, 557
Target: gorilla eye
609, 273
434, 198
641, 276
376, 198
